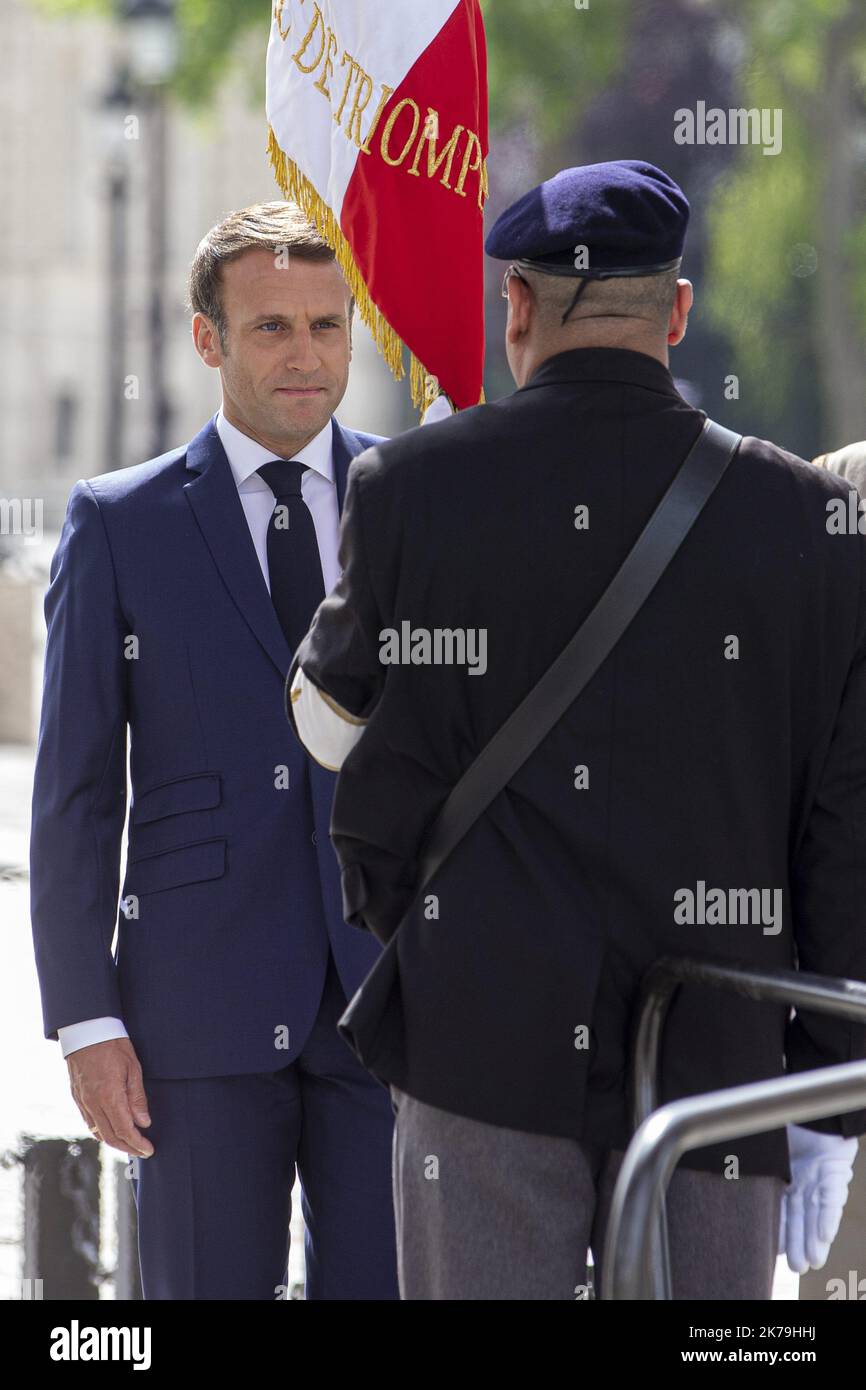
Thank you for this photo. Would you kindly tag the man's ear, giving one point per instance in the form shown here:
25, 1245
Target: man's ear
206, 340
683, 301
519, 309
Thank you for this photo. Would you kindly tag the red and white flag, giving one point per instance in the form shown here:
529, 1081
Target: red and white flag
378, 128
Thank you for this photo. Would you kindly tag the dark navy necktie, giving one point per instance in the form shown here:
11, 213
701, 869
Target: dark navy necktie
294, 565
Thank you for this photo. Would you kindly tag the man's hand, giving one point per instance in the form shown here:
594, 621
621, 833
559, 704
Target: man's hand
108, 1088
821, 1169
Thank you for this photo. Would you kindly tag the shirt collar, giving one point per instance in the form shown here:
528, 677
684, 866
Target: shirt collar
604, 364
246, 455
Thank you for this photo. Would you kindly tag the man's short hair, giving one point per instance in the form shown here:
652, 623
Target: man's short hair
628, 296
275, 226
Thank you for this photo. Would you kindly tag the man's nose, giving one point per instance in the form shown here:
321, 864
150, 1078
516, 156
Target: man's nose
301, 353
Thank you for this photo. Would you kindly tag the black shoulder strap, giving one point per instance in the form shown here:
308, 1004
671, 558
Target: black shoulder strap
575, 666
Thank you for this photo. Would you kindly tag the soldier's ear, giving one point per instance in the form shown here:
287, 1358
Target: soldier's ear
678, 322
520, 306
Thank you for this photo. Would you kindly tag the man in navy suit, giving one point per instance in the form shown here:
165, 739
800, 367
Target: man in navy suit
205, 1043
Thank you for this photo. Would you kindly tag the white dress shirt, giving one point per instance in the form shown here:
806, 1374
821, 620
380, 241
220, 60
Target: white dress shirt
327, 731
319, 491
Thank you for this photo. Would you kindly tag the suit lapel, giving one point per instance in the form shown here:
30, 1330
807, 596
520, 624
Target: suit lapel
213, 496
346, 446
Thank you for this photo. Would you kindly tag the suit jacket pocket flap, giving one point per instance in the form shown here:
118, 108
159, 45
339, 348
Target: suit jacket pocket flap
174, 867
198, 793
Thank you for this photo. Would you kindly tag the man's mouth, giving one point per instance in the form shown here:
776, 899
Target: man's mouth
300, 390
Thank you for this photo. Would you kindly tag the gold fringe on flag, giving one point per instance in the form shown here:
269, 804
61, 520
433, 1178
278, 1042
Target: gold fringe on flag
297, 188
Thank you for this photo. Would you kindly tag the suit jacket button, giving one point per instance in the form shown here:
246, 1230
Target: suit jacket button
314, 838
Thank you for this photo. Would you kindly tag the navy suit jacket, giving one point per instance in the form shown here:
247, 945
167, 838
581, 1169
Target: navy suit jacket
159, 620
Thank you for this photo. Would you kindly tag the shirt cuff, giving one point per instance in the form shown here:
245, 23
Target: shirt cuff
94, 1030
327, 731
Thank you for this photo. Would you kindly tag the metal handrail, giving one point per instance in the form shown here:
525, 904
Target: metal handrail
629, 1269
636, 1263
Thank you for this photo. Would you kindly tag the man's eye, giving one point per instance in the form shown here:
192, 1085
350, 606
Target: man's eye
326, 323
272, 324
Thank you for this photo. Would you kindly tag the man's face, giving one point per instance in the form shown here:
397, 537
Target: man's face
285, 363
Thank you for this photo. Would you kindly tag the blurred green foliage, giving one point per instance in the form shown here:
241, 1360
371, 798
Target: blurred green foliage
209, 32
797, 53
546, 62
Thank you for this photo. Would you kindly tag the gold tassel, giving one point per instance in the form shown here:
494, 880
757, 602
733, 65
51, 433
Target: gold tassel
297, 188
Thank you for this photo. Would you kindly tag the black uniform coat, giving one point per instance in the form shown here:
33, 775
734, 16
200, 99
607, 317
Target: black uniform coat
724, 742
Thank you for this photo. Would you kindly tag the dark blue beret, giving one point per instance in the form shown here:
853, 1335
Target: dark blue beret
630, 216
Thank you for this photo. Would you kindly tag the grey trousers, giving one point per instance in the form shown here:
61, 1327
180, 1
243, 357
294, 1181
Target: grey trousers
484, 1212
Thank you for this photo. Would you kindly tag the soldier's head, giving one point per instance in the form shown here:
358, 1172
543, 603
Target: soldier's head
272, 313
595, 255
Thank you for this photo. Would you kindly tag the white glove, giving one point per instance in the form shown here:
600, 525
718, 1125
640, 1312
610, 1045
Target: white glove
821, 1169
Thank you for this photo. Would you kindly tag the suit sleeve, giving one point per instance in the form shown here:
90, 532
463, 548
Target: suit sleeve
340, 653
79, 789
829, 884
